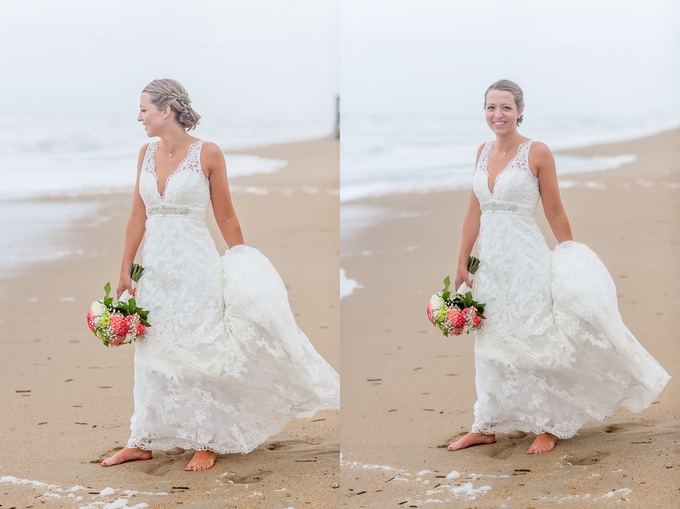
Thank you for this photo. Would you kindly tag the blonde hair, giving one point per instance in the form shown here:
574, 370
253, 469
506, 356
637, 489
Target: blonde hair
168, 92
513, 88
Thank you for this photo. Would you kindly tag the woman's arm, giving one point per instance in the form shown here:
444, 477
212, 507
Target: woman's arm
542, 160
470, 233
212, 160
134, 233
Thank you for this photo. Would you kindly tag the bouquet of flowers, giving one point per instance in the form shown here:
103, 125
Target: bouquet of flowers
456, 313
120, 323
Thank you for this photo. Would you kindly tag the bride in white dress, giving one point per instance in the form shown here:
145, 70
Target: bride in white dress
224, 366
553, 352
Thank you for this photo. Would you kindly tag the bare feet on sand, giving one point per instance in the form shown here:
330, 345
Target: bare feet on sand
545, 442
127, 454
202, 460
472, 439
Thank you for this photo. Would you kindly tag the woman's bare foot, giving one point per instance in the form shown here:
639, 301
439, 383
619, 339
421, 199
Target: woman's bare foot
545, 442
472, 439
127, 454
202, 460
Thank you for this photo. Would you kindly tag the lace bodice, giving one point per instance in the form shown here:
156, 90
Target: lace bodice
187, 190
515, 188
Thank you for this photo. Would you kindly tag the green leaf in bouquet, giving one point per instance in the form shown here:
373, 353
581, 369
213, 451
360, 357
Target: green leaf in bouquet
132, 305
446, 293
108, 301
136, 272
107, 289
144, 322
472, 264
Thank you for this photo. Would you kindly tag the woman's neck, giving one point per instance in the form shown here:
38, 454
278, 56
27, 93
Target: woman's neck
507, 142
174, 141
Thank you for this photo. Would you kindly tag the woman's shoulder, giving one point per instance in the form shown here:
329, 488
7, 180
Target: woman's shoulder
538, 147
210, 150
212, 157
482, 147
210, 147
146, 146
143, 151
540, 157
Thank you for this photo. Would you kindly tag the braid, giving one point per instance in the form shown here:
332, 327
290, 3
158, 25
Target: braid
168, 92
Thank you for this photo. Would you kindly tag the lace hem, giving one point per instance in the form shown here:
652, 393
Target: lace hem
155, 443
562, 433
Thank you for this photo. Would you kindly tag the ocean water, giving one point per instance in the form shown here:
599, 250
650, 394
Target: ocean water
91, 155
80, 155
419, 153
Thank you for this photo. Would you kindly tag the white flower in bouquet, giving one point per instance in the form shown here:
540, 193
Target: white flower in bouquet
98, 308
436, 302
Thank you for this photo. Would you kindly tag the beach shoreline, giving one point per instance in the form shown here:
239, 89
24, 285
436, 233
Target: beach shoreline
68, 400
409, 391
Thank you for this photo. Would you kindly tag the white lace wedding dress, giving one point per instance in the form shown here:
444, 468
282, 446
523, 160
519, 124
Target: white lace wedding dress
553, 352
224, 365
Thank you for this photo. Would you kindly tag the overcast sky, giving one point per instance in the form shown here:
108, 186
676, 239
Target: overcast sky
281, 58
245, 57
594, 57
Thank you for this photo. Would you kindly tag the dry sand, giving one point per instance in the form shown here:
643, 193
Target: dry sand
67, 400
408, 390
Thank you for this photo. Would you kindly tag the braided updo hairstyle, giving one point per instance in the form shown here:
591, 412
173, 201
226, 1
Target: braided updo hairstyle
168, 92
513, 88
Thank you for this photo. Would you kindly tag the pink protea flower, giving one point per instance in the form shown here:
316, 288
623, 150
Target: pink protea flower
457, 318
430, 312
120, 324
476, 320
90, 320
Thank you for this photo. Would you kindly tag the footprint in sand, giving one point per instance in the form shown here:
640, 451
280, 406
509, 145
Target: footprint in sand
156, 468
276, 446
501, 452
162, 462
252, 478
620, 427
308, 447
290, 445
586, 460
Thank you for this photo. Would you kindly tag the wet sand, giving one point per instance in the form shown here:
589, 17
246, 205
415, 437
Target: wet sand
408, 391
67, 400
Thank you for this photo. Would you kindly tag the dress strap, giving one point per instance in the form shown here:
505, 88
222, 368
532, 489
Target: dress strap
524, 151
523, 156
149, 155
193, 160
194, 155
484, 156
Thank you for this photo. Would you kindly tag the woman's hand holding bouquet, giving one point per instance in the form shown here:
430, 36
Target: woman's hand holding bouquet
120, 323
457, 313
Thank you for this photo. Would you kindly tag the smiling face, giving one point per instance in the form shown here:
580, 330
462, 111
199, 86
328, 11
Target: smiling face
501, 111
149, 115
